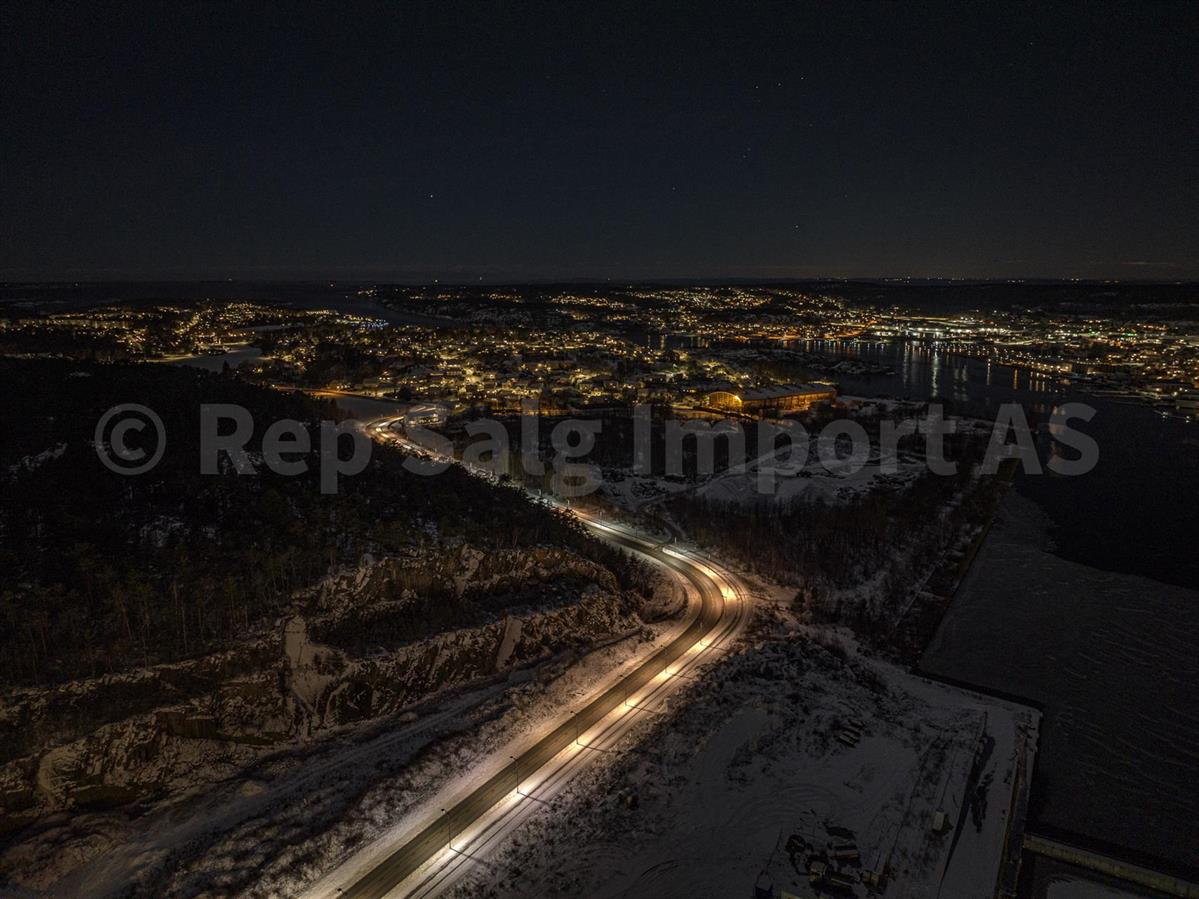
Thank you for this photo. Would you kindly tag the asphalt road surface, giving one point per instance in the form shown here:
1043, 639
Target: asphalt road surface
719, 603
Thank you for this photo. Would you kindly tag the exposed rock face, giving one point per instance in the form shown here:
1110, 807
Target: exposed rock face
159, 730
332, 689
31, 719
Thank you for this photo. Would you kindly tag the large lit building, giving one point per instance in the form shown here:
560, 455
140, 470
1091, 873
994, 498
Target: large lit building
782, 398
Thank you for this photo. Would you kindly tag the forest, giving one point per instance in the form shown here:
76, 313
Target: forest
852, 562
103, 572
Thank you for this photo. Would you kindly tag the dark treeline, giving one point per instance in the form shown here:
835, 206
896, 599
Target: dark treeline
103, 571
855, 562
827, 549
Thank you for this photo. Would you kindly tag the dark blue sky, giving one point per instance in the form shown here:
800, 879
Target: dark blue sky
627, 140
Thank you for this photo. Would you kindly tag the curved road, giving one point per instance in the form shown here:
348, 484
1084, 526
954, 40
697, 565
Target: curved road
720, 613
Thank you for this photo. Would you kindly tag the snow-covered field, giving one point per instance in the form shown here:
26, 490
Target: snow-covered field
1113, 658
234, 356
820, 478
834, 481
740, 780
631, 492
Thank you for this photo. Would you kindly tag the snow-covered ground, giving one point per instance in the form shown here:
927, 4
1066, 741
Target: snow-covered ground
1114, 661
212, 794
488, 834
275, 828
234, 356
833, 481
30, 463
740, 779
821, 477
631, 492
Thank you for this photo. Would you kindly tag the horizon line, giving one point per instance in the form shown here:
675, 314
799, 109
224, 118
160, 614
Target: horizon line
728, 280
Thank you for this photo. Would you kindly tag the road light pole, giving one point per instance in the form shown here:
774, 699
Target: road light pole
449, 831
516, 773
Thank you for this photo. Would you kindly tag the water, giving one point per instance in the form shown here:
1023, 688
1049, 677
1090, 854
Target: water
1112, 659
1083, 600
1137, 512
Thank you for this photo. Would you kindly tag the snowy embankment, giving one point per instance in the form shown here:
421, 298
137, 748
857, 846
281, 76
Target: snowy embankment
98, 762
794, 751
371, 791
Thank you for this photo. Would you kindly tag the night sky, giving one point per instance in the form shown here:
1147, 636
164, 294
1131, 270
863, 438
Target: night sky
626, 140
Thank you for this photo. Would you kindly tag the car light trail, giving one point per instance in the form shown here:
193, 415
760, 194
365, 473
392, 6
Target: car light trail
466, 831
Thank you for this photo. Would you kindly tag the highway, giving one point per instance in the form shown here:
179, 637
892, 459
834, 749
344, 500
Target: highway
465, 831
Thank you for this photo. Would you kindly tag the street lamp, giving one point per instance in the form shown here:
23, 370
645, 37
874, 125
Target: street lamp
516, 773
449, 831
